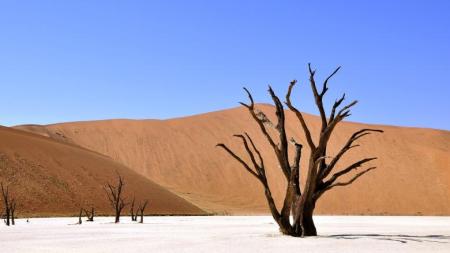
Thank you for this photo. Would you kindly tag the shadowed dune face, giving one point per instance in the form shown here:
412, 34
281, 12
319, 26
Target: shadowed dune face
53, 178
412, 175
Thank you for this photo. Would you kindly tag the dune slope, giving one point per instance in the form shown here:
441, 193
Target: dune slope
412, 175
48, 177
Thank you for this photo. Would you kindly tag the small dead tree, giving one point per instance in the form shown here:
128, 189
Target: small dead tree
132, 213
9, 205
142, 207
298, 202
114, 193
90, 214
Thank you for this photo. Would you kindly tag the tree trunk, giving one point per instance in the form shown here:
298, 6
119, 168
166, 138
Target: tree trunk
7, 209
285, 227
80, 221
132, 214
117, 217
309, 229
91, 217
7, 219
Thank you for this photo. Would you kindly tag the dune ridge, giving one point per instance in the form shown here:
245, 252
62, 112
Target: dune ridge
53, 178
412, 177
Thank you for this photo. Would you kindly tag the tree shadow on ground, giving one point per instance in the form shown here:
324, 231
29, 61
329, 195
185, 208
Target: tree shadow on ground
397, 238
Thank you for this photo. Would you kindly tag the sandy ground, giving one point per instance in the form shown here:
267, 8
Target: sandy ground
227, 234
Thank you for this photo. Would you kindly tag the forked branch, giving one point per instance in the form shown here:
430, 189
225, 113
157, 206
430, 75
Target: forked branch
356, 176
348, 145
350, 168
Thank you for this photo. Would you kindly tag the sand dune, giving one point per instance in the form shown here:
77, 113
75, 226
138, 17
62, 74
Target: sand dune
48, 177
412, 176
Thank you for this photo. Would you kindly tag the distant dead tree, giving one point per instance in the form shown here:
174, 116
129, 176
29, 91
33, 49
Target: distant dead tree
142, 207
132, 213
300, 203
89, 214
9, 205
114, 193
139, 211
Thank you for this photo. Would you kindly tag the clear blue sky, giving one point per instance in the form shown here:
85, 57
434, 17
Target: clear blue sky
84, 60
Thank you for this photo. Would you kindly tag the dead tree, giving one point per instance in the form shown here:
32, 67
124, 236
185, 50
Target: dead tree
322, 172
90, 214
114, 193
9, 205
141, 210
5, 196
132, 213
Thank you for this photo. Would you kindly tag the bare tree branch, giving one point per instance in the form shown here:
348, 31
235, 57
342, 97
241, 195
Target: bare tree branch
252, 102
249, 152
325, 87
237, 158
344, 112
318, 97
336, 104
261, 161
260, 175
299, 115
260, 122
282, 155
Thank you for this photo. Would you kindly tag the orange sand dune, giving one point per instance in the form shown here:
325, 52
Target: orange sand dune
53, 178
412, 176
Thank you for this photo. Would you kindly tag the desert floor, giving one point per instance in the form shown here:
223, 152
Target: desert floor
227, 234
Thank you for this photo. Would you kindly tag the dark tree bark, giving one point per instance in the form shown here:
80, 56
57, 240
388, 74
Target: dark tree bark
114, 193
141, 210
296, 215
